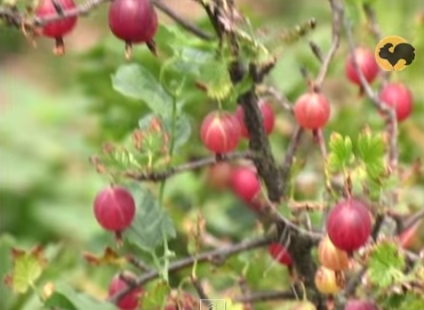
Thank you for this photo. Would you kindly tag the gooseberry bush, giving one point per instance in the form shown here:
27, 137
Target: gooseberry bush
344, 244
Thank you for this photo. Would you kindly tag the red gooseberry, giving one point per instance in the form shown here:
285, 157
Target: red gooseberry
133, 21
59, 28
367, 64
399, 97
245, 183
129, 301
114, 208
312, 111
220, 132
280, 254
349, 225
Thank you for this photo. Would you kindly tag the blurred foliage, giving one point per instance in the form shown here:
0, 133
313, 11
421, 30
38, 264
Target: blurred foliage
46, 137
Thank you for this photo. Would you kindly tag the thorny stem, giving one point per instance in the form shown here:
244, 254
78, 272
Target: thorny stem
392, 126
158, 176
256, 297
337, 13
17, 19
214, 256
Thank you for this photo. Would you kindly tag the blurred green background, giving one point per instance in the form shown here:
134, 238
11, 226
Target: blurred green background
56, 112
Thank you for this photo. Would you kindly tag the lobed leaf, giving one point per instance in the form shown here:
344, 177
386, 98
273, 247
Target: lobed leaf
135, 81
151, 224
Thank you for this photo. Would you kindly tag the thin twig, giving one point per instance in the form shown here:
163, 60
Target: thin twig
413, 219
392, 127
18, 19
183, 22
277, 95
200, 290
210, 256
157, 176
355, 281
337, 16
291, 151
372, 20
140, 265
264, 296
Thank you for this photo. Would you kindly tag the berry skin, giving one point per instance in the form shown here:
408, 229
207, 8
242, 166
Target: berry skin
349, 225
280, 254
357, 304
133, 21
59, 28
367, 64
220, 132
328, 281
245, 183
399, 97
332, 257
218, 175
312, 111
268, 118
114, 208
130, 301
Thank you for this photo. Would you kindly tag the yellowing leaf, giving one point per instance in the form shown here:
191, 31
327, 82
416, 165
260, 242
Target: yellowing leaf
109, 257
233, 306
27, 268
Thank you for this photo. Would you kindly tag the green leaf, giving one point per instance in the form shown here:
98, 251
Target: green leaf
136, 82
353, 11
58, 300
151, 224
155, 296
27, 268
216, 78
341, 153
67, 298
386, 264
371, 150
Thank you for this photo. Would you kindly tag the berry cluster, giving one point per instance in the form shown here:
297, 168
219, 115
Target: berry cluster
132, 21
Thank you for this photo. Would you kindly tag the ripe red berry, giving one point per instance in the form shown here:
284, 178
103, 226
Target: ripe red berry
349, 225
59, 28
398, 96
218, 176
280, 254
133, 21
114, 208
312, 111
245, 183
357, 304
129, 301
367, 64
220, 132
268, 118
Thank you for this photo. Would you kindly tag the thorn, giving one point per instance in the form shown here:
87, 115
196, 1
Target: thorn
152, 47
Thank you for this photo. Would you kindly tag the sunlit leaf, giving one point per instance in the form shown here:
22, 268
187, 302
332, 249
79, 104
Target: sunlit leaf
27, 268
341, 153
386, 264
